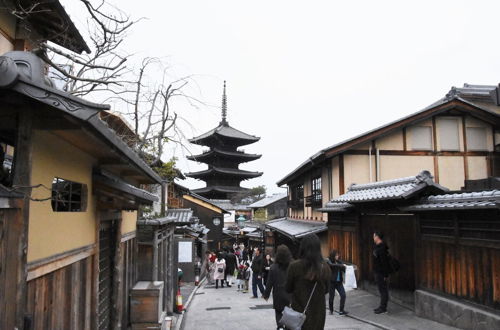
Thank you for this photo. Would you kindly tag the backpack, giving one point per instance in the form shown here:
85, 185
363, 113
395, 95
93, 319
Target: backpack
394, 264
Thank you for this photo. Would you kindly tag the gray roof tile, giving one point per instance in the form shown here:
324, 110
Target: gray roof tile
465, 201
296, 228
182, 215
268, 200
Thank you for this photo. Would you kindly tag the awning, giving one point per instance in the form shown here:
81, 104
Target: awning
296, 228
249, 229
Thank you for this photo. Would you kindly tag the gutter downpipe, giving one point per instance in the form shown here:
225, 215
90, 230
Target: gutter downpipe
370, 162
377, 164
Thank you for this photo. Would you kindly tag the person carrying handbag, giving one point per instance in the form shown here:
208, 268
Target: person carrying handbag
308, 281
220, 268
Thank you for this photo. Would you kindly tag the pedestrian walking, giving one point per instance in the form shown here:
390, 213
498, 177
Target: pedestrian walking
246, 275
220, 267
231, 264
257, 266
276, 282
266, 267
209, 267
240, 277
337, 269
381, 270
308, 279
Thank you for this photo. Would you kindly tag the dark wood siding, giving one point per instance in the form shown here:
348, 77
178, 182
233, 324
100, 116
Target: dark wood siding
62, 299
459, 255
129, 257
106, 269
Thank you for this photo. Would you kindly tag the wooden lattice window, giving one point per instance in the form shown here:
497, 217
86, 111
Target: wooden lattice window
68, 196
316, 190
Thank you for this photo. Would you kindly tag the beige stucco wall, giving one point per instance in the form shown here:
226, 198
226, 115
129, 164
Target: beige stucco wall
451, 172
335, 177
460, 131
357, 169
409, 143
393, 167
129, 221
393, 141
473, 122
477, 167
55, 232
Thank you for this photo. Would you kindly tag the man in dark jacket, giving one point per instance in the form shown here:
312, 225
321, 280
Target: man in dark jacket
257, 265
381, 270
230, 267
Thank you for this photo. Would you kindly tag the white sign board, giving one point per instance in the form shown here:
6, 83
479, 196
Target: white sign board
185, 251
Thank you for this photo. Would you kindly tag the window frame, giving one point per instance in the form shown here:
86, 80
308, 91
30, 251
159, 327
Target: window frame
70, 189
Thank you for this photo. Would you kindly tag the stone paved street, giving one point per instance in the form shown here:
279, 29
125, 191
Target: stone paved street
226, 308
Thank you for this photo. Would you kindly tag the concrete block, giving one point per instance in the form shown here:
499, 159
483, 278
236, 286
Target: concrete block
453, 312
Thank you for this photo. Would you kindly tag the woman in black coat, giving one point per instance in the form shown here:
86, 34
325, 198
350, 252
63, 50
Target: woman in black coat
276, 281
303, 274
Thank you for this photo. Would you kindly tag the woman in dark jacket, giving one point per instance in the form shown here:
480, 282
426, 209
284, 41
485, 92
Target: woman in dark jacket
276, 281
266, 267
336, 281
303, 274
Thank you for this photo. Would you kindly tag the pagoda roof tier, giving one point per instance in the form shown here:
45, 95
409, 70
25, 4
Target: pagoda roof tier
222, 189
237, 156
225, 134
224, 172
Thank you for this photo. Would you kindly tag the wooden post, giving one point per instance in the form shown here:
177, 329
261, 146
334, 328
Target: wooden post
164, 191
117, 297
22, 179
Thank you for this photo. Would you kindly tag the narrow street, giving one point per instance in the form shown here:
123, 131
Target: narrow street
227, 308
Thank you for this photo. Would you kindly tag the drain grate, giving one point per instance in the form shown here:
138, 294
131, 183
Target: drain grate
269, 306
217, 308
198, 293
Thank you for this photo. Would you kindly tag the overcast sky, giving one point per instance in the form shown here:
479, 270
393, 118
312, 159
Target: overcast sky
304, 75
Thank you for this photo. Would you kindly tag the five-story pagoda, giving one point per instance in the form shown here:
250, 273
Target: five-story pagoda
223, 176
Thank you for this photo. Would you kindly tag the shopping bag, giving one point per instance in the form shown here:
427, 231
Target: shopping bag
350, 278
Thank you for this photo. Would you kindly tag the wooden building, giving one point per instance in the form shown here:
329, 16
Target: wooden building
223, 176
68, 252
269, 208
210, 215
448, 246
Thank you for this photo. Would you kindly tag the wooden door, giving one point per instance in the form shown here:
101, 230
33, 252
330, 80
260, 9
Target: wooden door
107, 248
399, 231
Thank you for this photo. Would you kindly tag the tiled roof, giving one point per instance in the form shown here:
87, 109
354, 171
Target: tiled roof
402, 188
460, 201
8, 193
296, 228
227, 189
397, 189
225, 131
268, 200
223, 170
156, 222
182, 215
227, 205
336, 207
206, 200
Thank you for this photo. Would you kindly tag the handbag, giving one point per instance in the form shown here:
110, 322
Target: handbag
292, 319
220, 270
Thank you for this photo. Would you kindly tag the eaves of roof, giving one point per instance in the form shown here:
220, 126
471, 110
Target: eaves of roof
442, 105
87, 112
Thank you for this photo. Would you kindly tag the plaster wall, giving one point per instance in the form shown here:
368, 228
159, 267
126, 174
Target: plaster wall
451, 172
490, 139
335, 177
393, 167
478, 167
439, 120
427, 123
129, 221
392, 141
56, 232
357, 169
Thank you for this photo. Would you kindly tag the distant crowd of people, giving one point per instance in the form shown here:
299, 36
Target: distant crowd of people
300, 284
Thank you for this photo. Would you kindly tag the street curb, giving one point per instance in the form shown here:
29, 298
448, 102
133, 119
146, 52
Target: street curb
180, 320
378, 325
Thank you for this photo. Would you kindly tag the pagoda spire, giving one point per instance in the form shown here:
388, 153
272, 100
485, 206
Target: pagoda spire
224, 106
